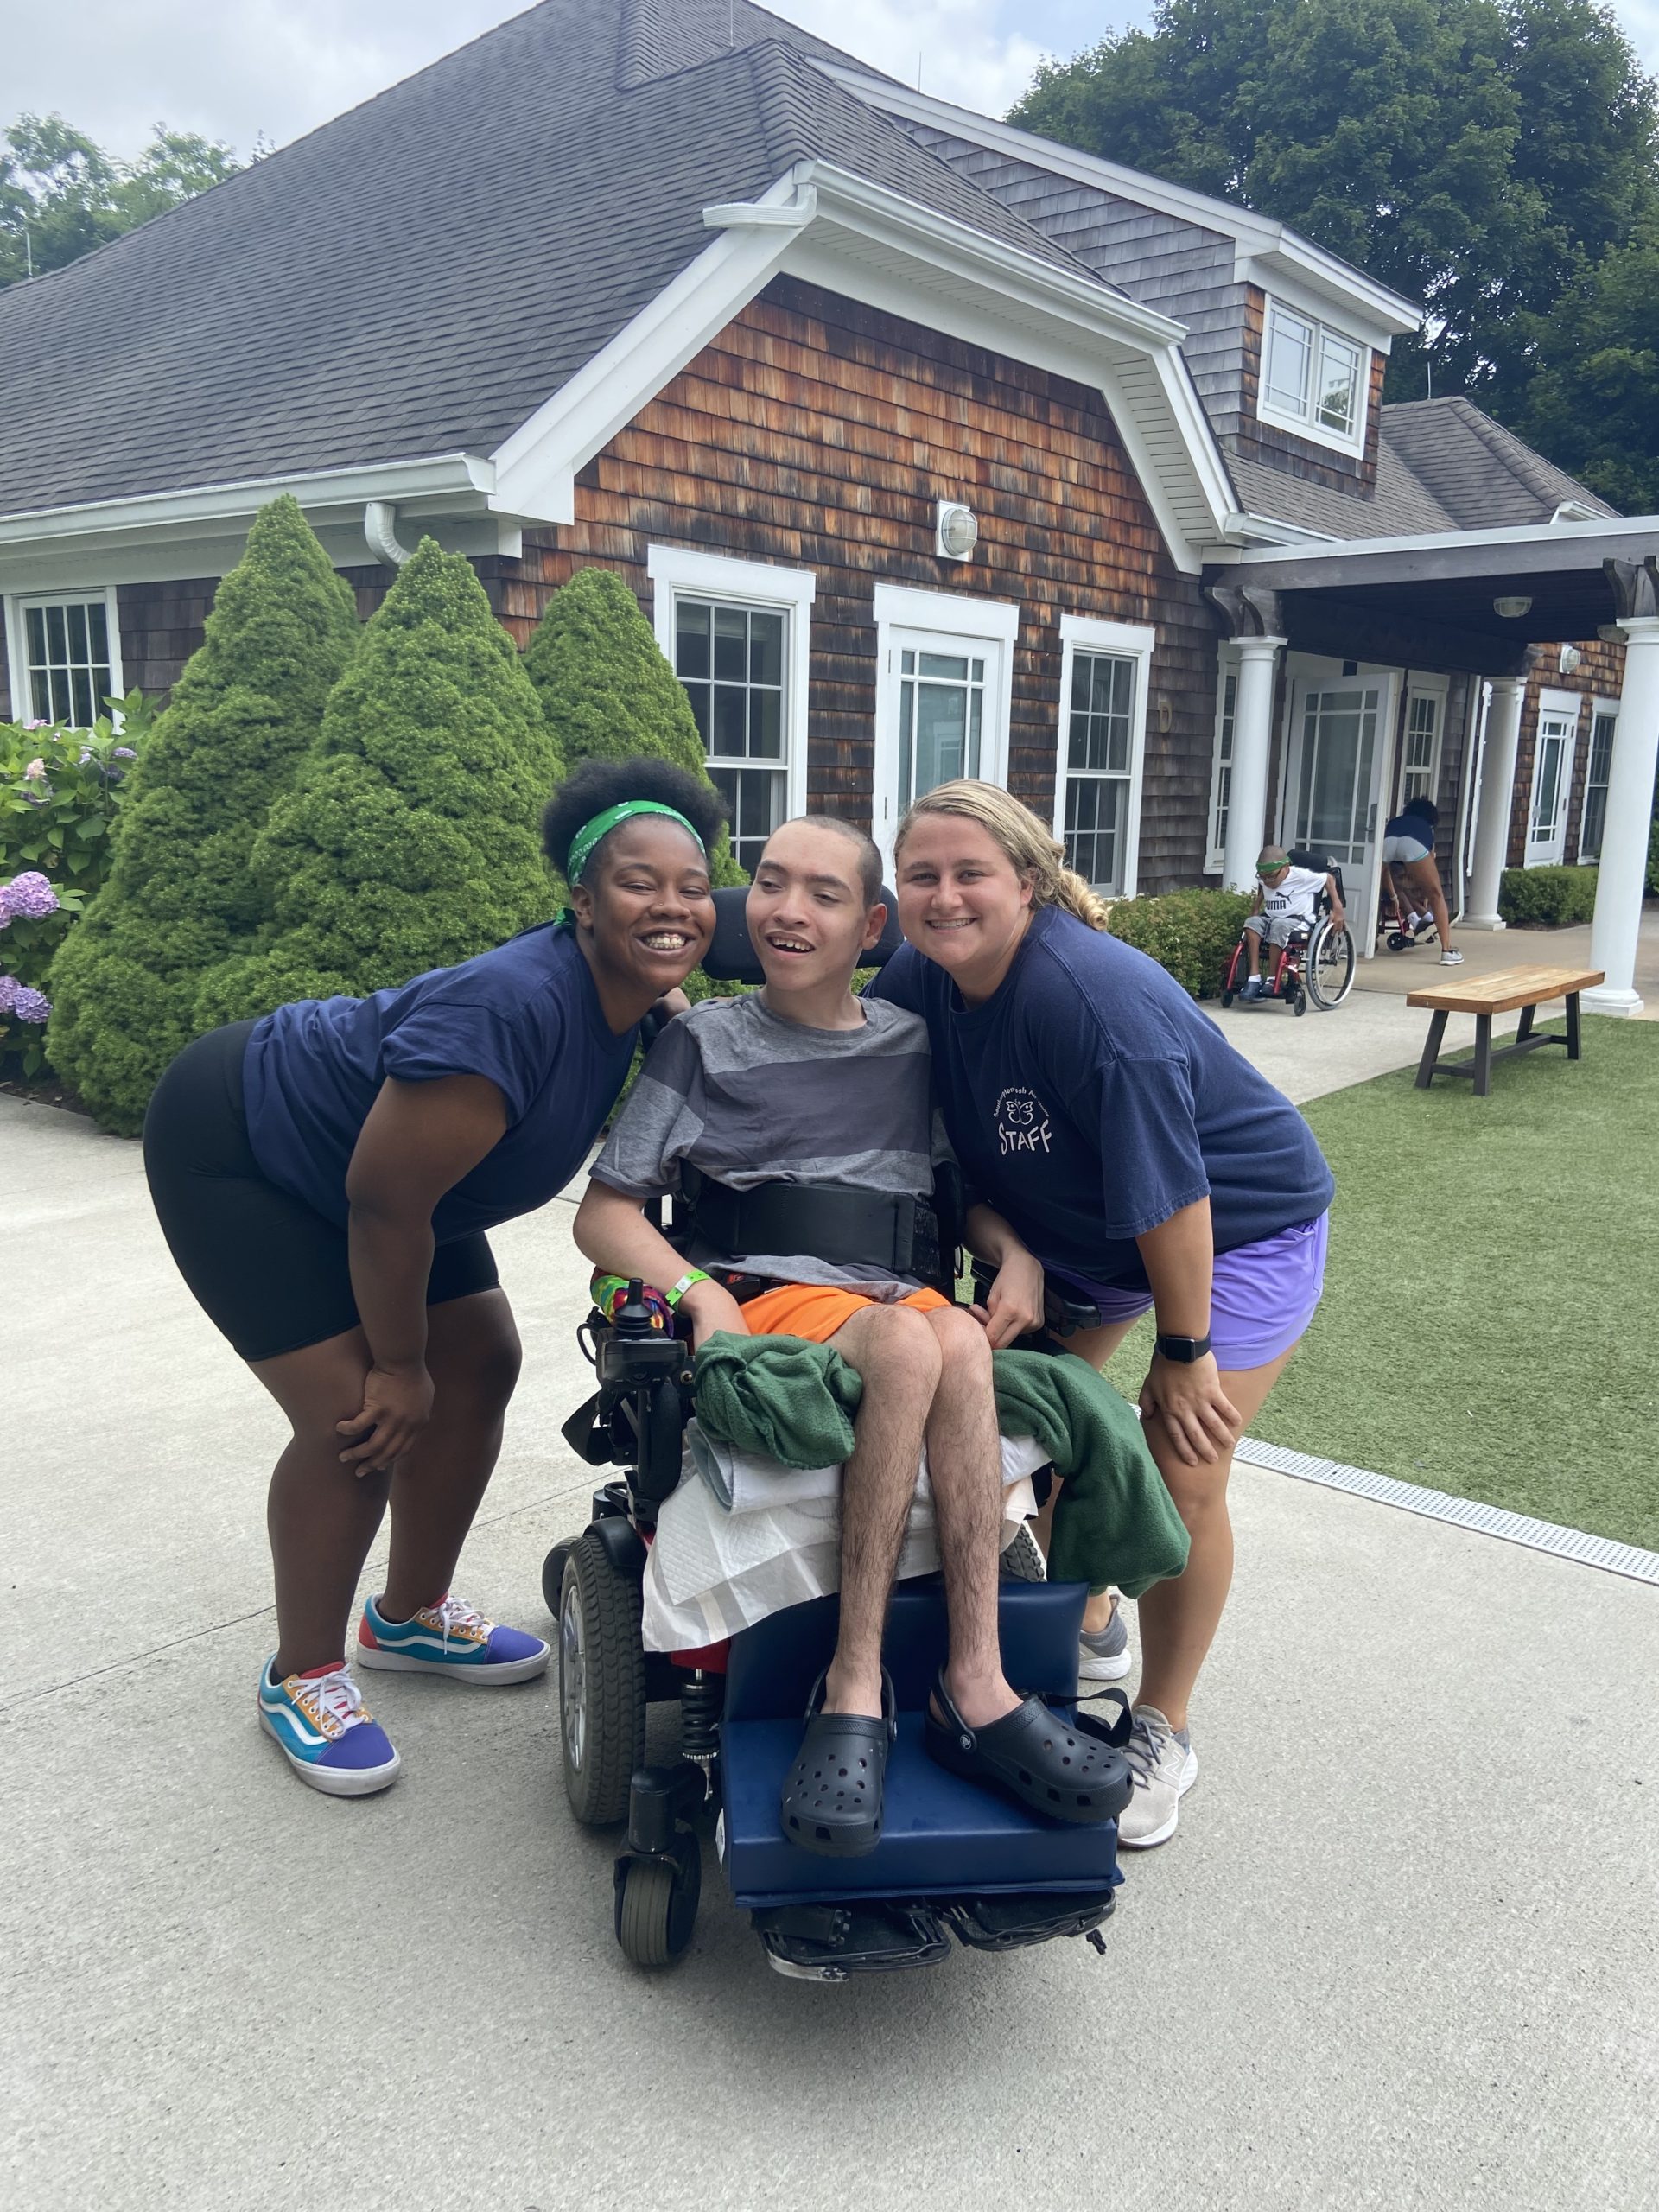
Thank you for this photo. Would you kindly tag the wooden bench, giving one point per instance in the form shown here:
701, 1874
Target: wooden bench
1485, 995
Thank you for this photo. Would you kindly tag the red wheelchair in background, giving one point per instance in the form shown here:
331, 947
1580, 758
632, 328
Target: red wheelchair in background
1315, 967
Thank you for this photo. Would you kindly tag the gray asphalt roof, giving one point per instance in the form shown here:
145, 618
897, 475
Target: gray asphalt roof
420, 274
1441, 464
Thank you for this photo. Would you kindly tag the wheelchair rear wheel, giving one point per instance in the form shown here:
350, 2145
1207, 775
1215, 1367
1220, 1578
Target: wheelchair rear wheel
1330, 964
602, 1682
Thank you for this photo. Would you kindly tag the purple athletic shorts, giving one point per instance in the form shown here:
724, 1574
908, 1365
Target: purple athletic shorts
1262, 1299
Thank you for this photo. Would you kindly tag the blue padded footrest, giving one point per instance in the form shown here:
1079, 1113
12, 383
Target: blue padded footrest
942, 1835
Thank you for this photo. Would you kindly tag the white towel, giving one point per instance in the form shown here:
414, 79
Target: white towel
744, 1482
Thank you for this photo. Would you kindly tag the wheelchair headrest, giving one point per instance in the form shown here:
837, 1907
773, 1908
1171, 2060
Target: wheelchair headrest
731, 958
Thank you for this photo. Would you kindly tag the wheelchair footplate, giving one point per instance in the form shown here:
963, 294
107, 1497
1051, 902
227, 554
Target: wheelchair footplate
832, 1942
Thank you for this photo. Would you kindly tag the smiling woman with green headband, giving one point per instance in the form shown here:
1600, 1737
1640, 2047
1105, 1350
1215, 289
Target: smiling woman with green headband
325, 1178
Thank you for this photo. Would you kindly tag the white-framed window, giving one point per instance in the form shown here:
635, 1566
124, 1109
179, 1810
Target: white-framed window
1314, 378
64, 652
943, 689
1103, 743
1221, 765
1603, 721
1419, 746
738, 635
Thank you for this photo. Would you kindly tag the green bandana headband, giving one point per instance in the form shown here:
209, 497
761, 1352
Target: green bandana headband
602, 824
1267, 864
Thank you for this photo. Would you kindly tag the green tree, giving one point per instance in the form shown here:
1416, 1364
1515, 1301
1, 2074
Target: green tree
1593, 404
60, 194
180, 895
608, 692
1471, 155
409, 839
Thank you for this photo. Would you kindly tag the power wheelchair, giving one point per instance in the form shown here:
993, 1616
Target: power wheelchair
955, 1859
1316, 966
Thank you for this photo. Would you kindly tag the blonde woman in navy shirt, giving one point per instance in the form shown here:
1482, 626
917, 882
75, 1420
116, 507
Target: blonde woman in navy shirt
325, 1178
1142, 1161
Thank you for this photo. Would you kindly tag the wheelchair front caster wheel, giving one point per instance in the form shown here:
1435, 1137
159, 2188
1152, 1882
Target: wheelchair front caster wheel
1299, 1001
1226, 998
657, 1904
601, 1681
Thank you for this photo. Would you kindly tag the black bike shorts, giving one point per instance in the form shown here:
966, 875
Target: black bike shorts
267, 1269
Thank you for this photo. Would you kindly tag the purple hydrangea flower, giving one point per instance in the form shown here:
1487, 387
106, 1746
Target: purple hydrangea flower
125, 753
28, 897
36, 769
29, 1005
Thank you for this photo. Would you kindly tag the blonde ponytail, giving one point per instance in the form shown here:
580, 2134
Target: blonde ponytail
1030, 849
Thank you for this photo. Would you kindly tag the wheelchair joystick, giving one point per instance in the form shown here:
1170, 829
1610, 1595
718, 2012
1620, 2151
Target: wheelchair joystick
634, 1318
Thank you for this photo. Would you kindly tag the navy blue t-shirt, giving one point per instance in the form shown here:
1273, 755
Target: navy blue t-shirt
526, 1014
1088, 1100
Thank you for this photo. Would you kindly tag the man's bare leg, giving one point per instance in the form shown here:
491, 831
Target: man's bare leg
895, 1351
964, 1461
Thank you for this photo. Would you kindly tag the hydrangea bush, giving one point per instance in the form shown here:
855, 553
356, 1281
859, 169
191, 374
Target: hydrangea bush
1192, 933
409, 839
180, 899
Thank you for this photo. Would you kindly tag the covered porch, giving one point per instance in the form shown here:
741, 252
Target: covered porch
1470, 605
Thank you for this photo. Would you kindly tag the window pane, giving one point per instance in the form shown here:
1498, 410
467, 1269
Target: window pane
765, 649
39, 691
98, 616
1601, 747
63, 709
730, 699
976, 705
1595, 815
57, 643
35, 623
1290, 354
75, 629
1338, 404
941, 734
1094, 808
80, 688
907, 663
948, 665
731, 643
765, 726
977, 671
691, 639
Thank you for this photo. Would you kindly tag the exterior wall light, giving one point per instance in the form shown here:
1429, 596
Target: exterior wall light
1570, 658
956, 531
1511, 609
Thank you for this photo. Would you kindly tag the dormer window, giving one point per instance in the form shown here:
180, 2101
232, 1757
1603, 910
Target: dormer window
1312, 378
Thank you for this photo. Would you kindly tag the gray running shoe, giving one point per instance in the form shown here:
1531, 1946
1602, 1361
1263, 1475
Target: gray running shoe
1103, 1653
1450, 959
1163, 1767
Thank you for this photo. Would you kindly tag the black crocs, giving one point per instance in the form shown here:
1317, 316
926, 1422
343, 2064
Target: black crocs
1068, 1768
831, 1801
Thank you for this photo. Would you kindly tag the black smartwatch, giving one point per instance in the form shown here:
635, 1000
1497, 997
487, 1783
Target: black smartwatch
1183, 1350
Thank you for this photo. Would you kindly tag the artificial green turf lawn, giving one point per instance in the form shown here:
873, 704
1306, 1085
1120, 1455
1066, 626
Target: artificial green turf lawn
1490, 1318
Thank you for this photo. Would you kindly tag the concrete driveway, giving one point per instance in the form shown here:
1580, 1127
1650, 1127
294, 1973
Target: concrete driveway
1404, 1951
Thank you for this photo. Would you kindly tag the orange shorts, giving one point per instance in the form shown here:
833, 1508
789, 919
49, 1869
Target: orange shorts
815, 1311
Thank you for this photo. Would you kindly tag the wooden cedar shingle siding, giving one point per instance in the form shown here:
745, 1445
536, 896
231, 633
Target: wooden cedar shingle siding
1181, 269
814, 433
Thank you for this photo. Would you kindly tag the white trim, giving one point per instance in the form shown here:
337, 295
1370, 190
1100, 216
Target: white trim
1131, 641
23, 706
1549, 534
1256, 239
1599, 708
702, 574
1309, 427
950, 615
1227, 663
1568, 705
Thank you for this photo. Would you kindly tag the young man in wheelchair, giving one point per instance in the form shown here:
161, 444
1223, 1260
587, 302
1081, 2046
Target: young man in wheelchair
804, 1084
1284, 907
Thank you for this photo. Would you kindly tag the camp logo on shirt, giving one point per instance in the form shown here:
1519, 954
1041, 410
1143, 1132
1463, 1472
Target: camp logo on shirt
1021, 1122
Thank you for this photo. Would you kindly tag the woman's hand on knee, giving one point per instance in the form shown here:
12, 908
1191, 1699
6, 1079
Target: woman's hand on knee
397, 1407
1199, 1419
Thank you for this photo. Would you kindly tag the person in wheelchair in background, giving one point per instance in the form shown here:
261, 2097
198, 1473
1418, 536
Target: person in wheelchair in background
801, 1083
1285, 907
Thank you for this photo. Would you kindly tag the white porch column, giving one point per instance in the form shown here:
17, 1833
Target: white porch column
1623, 867
1247, 795
1494, 802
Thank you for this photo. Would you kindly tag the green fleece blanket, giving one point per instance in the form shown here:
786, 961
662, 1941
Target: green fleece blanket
794, 1401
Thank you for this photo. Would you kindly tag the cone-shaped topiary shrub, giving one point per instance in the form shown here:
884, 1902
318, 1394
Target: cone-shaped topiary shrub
179, 897
608, 692
410, 836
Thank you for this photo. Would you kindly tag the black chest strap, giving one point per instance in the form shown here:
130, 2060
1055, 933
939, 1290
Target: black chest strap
836, 1223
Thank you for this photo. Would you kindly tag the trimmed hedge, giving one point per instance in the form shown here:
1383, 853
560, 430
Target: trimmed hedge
409, 839
180, 895
1653, 856
1192, 933
1547, 898
607, 692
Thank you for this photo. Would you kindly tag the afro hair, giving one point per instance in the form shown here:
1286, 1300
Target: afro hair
596, 785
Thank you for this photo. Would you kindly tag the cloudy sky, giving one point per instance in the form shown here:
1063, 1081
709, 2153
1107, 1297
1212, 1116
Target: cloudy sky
235, 68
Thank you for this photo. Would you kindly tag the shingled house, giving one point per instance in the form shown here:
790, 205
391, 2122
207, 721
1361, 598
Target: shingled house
929, 447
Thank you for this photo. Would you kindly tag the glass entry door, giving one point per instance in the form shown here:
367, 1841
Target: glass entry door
1552, 781
938, 719
1333, 804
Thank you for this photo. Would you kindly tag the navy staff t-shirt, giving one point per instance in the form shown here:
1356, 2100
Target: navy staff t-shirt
526, 1014
1088, 1100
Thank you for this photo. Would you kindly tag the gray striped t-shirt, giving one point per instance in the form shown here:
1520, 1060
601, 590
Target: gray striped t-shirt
748, 1097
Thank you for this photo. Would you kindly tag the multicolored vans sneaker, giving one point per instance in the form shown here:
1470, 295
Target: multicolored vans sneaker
452, 1638
326, 1732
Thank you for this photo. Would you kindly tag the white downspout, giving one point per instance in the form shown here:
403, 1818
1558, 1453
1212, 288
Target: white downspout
380, 528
